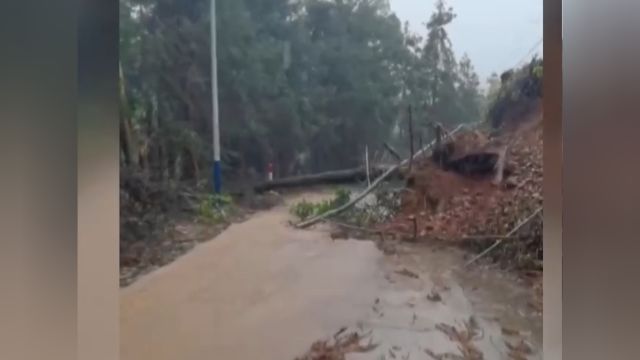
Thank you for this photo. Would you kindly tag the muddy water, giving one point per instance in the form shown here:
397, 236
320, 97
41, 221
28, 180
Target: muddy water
262, 290
404, 319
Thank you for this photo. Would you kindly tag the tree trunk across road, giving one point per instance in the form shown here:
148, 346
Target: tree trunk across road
328, 177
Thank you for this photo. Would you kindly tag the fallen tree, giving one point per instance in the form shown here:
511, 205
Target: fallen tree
373, 185
329, 177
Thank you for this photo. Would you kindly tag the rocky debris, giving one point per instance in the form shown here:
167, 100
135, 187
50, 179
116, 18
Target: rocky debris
479, 184
468, 153
476, 189
468, 208
520, 93
337, 348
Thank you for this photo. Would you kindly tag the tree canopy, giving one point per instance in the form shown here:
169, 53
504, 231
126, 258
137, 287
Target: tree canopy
303, 84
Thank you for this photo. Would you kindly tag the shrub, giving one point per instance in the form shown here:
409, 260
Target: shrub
215, 208
305, 209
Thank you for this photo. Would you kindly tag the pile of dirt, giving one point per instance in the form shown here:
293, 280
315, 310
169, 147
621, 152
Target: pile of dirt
468, 207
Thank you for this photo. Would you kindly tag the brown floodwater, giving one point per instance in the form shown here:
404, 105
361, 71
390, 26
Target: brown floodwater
263, 290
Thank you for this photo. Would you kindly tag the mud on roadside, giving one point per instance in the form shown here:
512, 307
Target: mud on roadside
180, 234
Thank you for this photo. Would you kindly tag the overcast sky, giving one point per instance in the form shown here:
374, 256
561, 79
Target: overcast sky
496, 34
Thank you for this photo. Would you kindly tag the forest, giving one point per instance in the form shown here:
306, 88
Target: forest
304, 85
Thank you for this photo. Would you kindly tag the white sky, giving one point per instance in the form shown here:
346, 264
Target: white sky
496, 34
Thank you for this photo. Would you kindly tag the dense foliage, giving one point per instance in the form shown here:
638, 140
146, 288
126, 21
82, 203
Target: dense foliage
302, 84
515, 93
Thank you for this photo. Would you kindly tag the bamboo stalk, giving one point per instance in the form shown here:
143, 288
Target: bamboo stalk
368, 190
510, 234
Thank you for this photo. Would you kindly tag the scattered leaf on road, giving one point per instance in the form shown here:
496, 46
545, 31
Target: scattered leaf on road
408, 273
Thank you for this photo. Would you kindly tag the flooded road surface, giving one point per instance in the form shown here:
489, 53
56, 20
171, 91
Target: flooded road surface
263, 290
425, 289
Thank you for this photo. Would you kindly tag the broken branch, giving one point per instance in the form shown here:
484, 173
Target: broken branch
392, 151
498, 242
361, 196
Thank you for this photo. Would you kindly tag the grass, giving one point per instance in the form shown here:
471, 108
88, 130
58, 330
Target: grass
215, 208
305, 209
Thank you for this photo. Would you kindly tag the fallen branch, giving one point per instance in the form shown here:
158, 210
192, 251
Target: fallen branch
392, 151
498, 242
373, 185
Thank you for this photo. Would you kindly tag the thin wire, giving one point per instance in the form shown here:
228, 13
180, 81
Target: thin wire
519, 63
528, 53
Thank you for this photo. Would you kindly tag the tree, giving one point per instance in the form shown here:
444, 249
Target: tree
440, 68
468, 90
302, 84
493, 85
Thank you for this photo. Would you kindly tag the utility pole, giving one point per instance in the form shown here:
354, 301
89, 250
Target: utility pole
217, 172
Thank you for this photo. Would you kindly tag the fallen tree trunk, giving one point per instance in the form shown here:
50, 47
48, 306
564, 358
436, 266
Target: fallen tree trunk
329, 177
375, 184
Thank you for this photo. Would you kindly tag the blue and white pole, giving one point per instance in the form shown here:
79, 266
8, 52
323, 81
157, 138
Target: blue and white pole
217, 172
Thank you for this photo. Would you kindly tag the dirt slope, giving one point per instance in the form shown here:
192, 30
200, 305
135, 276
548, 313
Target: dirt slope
451, 206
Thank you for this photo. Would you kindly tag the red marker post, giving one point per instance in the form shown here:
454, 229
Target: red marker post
270, 172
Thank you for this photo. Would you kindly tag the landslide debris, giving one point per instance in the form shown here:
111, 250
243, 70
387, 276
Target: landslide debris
478, 185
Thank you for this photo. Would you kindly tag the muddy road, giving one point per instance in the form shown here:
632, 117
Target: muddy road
263, 290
